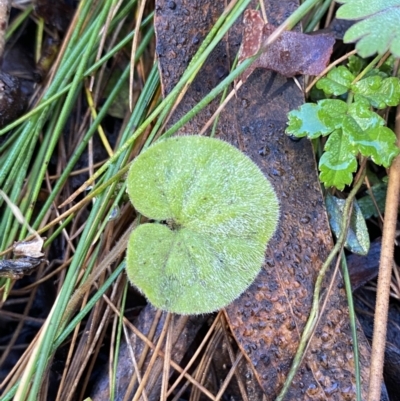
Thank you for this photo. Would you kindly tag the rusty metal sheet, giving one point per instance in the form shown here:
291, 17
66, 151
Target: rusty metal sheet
268, 318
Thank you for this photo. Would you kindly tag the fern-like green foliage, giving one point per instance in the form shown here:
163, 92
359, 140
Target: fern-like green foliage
212, 213
378, 29
353, 127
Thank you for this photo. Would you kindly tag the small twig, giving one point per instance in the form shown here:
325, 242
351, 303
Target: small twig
113, 11
167, 361
5, 7
263, 12
385, 274
353, 324
196, 354
134, 362
153, 357
327, 69
330, 14
19, 216
229, 376
133, 51
373, 198
368, 68
220, 108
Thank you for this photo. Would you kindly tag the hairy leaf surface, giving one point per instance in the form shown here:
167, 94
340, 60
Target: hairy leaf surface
214, 213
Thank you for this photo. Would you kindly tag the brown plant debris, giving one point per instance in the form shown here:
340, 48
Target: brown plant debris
293, 53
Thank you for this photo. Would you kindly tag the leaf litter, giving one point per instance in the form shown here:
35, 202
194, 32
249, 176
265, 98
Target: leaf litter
293, 53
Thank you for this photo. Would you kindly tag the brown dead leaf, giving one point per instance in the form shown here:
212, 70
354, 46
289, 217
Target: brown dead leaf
32, 249
28, 255
293, 53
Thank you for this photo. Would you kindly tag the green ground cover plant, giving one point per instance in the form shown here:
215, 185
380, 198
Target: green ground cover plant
350, 116
353, 126
213, 214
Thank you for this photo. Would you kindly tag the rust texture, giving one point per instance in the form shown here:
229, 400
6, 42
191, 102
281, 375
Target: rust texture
268, 318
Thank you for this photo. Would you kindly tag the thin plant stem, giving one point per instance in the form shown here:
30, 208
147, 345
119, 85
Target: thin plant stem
319, 13
146, 94
313, 317
193, 67
5, 7
43, 347
113, 375
385, 275
51, 99
353, 324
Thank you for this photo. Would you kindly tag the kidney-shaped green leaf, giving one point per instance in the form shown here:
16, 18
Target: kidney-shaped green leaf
214, 212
